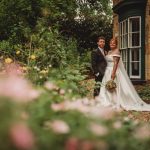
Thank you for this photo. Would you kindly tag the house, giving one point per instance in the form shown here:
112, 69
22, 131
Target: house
131, 25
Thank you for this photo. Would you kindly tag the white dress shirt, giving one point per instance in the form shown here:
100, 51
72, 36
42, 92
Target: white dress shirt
102, 50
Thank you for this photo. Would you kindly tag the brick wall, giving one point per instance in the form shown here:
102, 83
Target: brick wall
147, 41
115, 22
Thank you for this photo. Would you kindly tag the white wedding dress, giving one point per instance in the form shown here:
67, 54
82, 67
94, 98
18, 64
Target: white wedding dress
125, 95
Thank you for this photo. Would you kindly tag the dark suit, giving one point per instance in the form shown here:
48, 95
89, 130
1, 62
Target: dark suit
98, 65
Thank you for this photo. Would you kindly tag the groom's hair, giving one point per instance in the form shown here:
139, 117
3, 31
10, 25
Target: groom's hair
100, 38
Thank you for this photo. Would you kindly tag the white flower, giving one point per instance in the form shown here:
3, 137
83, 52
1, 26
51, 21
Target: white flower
50, 65
126, 119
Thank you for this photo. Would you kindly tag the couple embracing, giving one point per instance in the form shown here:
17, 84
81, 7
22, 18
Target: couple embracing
109, 66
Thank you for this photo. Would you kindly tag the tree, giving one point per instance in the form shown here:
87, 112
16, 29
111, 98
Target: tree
83, 20
18, 17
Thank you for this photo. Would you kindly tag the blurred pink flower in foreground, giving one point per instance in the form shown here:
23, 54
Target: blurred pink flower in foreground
17, 88
58, 107
117, 124
142, 132
87, 145
13, 69
58, 126
90, 110
50, 86
72, 144
62, 92
98, 130
22, 137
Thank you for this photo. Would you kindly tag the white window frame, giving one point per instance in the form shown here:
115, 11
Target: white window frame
122, 34
131, 76
125, 58
128, 45
131, 47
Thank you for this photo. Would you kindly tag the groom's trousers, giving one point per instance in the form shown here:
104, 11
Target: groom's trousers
98, 79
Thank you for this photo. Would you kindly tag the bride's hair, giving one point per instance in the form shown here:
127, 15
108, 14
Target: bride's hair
115, 40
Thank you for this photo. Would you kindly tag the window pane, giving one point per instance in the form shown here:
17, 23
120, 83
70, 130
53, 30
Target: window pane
135, 69
130, 41
121, 28
135, 62
126, 40
135, 24
123, 41
135, 54
135, 39
124, 57
134, 34
126, 26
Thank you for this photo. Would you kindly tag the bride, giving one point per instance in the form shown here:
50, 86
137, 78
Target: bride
125, 95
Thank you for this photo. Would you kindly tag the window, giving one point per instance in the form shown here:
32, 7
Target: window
125, 58
134, 32
130, 45
124, 41
135, 66
123, 34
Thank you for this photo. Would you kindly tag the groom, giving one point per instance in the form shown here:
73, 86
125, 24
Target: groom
98, 63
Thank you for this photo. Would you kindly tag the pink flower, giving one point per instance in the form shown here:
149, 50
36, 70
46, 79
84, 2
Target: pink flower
13, 69
62, 92
76, 105
105, 113
72, 144
117, 124
58, 107
58, 126
98, 130
85, 106
50, 86
87, 145
18, 89
21, 136
143, 132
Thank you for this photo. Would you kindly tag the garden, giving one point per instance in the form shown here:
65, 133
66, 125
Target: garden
46, 80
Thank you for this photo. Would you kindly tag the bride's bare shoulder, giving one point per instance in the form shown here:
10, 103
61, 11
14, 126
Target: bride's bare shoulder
117, 51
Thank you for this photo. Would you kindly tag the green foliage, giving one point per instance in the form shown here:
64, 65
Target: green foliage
40, 115
144, 92
17, 18
84, 21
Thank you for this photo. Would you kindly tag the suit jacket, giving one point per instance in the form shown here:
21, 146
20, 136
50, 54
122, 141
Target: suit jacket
98, 62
